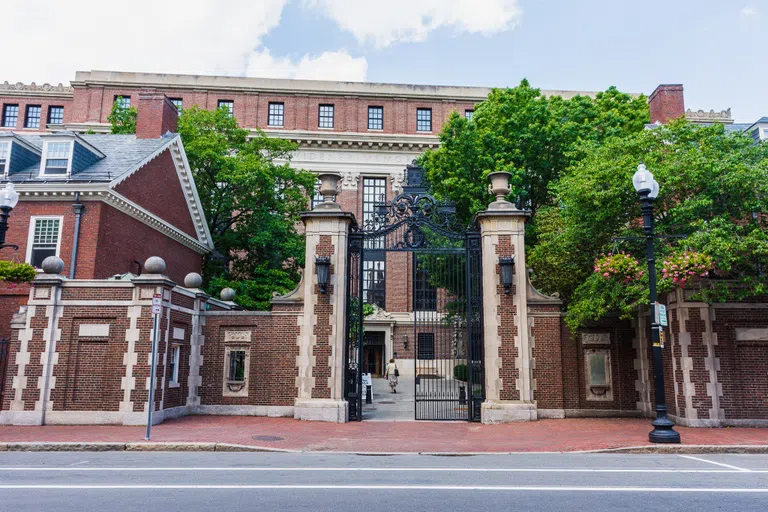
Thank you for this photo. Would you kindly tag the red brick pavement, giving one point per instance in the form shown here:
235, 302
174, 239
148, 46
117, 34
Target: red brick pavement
543, 435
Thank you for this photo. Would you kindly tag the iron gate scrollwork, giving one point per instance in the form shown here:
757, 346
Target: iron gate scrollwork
445, 273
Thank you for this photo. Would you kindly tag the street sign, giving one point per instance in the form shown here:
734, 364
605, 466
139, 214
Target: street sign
367, 381
157, 304
662, 312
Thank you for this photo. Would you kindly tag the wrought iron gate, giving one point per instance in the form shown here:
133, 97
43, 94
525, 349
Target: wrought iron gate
5, 346
445, 280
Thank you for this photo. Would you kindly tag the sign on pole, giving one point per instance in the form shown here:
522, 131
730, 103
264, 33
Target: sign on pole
157, 310
662, 312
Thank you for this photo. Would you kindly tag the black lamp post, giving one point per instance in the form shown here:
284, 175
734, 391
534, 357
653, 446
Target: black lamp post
648, 189
506, 263
8, 200
322, 266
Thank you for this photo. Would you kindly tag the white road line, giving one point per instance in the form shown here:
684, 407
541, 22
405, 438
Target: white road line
386, 488
745, 470
382, 469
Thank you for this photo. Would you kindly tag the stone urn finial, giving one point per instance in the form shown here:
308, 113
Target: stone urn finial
53, 265
329, 186
500, 187
154, 265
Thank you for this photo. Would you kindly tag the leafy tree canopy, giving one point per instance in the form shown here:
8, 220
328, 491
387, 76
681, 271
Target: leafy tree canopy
123, 119
714, 189
252, 198
533, 137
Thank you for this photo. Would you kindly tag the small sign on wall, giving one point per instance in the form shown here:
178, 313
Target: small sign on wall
237, 336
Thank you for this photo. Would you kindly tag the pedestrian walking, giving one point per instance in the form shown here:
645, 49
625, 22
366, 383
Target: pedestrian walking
391, 374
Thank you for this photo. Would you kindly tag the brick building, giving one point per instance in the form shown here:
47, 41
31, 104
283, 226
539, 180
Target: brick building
290, 361
103, 202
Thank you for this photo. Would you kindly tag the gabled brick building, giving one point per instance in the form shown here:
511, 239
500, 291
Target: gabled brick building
103, 202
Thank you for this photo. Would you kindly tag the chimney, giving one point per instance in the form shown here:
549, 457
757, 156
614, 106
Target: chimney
666, 103
156, 115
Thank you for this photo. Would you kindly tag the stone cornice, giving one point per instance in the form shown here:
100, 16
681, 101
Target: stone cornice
279, 86
22, 89
355, 140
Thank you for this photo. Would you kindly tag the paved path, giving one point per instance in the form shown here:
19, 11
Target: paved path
373, 436
388, 406
192, 482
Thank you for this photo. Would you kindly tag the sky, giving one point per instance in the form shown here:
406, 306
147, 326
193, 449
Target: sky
715, 48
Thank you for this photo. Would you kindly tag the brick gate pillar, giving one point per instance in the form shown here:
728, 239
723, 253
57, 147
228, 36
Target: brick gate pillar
509, 384
320, 361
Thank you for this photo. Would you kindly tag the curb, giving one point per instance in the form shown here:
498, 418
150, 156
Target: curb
134, 447
230, 447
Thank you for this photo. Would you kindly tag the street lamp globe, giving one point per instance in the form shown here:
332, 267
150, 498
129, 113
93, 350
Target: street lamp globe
654, 190
643, 179
9, 197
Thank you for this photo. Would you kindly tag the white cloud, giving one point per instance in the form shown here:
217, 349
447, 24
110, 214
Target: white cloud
326, 66
384, 23
748, 11
55, 38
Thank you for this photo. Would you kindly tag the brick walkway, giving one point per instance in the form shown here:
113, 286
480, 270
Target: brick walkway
283, 433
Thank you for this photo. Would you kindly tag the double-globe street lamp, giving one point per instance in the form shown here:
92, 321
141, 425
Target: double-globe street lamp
648, 189
8, 200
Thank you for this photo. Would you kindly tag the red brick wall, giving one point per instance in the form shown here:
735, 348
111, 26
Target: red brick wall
45, 102
156, 187
623, 374
322, 329
123, 239
11, 298
507, 327
273, 352
156, 116
666, 103
90, 370
547, 352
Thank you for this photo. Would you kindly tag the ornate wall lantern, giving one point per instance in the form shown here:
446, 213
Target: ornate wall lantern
322, 267
506, 263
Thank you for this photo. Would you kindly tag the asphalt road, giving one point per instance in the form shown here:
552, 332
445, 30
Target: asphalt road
87, 481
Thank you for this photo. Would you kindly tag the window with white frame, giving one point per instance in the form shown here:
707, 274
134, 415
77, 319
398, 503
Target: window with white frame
276, 115
178, 103
423, 119
44, 239
468, 114
597, 364
56, 158
173, 364
325, 116
5, 149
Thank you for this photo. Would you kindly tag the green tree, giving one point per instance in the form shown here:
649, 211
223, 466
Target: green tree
123, 119
252, 198
714, 188
533, 137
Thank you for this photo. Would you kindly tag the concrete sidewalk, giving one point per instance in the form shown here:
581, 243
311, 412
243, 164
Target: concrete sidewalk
384, 437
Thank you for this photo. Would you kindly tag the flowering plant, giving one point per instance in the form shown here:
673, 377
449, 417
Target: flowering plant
619, 266
686, 266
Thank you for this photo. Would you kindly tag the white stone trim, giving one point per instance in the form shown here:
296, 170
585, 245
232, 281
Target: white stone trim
712, 364
272, 411
642, 365
130, 358
22, 360
49, 358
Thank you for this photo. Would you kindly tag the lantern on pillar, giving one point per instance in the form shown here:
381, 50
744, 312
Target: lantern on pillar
506, 263
322, 267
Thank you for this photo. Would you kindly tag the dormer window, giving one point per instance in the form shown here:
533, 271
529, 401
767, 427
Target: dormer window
5, 149
56, 158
